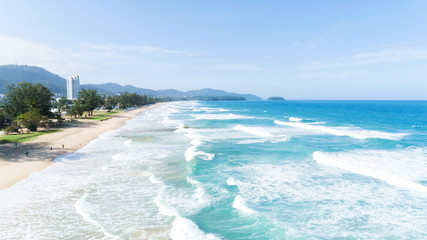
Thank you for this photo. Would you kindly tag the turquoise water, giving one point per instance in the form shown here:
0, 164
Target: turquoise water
237, 170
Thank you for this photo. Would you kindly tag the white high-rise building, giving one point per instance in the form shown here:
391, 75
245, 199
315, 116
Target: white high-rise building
73, 87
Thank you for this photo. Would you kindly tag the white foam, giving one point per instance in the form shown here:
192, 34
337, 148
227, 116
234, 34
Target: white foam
155, 180
200, 194
231, 181
344, 131
185, 229
128, 143
221, 116
196, 142
83, 210
192, 181
399, 168
264, 134
252, 141
257, 131
190, 153
193, 135
338, 201
180, 128
240, 204
168, 211
295, 119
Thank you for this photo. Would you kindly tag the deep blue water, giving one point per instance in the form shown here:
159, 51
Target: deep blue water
238, 170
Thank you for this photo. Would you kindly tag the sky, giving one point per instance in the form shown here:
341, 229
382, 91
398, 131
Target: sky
344, 50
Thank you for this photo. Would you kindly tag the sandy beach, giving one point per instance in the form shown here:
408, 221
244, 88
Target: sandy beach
15, 165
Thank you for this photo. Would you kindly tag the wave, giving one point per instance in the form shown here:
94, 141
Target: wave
400, 168
221, 116
181, 128
257, 131
128, 143
231, 181
264, 134
344, 131
295, 119
191, 153
168, 211
200, 194
84, 210
192, 181
183, 228
240, 204
155, 180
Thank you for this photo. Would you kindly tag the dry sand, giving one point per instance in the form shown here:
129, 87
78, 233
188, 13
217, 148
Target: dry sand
15, 165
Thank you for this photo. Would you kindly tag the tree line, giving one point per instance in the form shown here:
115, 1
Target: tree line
31, 106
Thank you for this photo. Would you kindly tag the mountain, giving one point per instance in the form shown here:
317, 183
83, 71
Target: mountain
21, 73
12, 74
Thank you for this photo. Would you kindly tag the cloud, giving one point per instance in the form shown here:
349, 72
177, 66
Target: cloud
390, 55
234, 67
95, 60
17, 50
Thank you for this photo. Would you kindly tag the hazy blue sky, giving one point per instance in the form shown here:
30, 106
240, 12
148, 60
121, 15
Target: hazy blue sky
295, 49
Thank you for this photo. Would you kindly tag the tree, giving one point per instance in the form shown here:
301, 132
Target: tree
110, 102
63, 103
77, 110
26, 97
3, 118
32, 119
127, 100
90, 99
62, 106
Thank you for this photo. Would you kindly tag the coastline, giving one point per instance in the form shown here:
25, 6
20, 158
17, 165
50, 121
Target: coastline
15, 165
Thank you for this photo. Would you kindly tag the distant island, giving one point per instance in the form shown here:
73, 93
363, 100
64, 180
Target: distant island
275, 99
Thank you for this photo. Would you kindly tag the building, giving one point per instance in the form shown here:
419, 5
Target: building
73, 87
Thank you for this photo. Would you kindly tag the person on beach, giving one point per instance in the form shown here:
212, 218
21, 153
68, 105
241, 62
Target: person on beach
51, 148
62, 146
26, 153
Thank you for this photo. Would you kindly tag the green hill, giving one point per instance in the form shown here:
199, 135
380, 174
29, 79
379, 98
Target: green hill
12, 74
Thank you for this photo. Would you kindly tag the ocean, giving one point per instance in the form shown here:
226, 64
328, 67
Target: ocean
236, 170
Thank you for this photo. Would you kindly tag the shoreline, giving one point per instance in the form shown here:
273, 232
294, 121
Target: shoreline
15, 165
